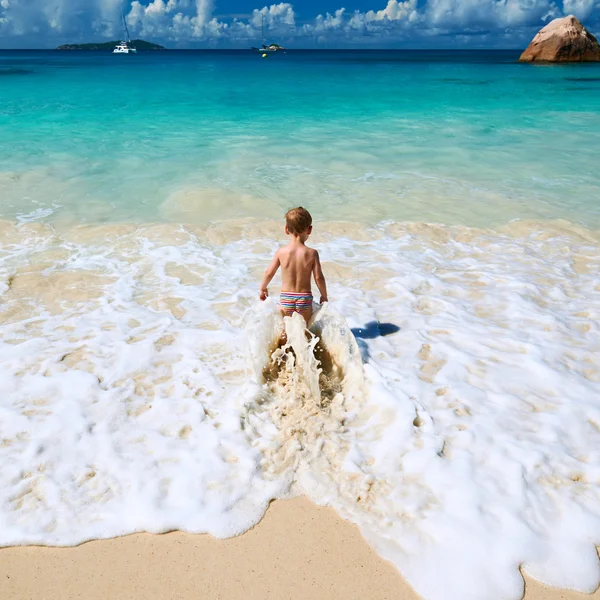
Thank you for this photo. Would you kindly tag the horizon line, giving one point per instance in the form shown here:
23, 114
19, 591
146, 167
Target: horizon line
366, 49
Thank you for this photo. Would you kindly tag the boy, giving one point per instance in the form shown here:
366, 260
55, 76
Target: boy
298, 263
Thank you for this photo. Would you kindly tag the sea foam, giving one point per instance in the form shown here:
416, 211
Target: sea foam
143, 389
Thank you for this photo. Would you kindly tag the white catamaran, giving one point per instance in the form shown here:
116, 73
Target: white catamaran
124, 47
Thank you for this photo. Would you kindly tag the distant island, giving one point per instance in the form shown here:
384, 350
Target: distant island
139, 44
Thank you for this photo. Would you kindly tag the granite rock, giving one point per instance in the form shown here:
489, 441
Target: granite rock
562, 40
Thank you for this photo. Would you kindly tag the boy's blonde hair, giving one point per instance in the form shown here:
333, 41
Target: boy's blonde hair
298, 220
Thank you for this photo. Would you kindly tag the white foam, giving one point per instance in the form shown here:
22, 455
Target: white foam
35, 215
464, 445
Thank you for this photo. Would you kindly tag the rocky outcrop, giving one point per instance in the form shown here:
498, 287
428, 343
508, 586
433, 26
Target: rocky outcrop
563, 40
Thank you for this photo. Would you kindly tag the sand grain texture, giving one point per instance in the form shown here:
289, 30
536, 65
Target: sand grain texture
298, 551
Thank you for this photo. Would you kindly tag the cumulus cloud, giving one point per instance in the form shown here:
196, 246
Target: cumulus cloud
328, 22
394, 22
181, 20
394, 11
582, 9
489, 14
174, 19
275, 15
47, 19
464, 20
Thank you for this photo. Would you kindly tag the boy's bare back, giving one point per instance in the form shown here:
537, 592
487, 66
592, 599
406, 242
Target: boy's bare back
299, 264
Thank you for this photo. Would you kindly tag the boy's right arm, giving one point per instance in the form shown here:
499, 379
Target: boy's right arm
269, 274
320, 278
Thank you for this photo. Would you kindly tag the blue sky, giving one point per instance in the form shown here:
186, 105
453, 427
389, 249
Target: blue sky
304, 24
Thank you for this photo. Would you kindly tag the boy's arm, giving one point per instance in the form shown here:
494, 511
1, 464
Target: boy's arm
269, 274
320, 278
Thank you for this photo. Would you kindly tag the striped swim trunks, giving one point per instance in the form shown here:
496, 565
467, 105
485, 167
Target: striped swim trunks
296, 301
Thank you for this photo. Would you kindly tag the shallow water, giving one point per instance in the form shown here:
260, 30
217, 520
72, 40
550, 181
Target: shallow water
458, 138
456, 416
460, 435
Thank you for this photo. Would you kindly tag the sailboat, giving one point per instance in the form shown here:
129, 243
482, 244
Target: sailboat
264, 47
125, 47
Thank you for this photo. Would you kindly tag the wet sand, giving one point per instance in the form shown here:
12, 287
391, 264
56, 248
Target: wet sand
298, 551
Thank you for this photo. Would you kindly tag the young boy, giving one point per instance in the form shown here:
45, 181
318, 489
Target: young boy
298, 263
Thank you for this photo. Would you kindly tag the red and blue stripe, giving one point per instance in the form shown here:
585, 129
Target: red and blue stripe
296, 301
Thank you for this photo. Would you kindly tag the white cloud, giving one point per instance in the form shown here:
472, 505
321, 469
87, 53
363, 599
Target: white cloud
396, 16
154, 17
275, 15
181, 20
174, 19
204, 10
582, 9
44, 22
492, 14
395, 11
323, 23
53, 18
108, 21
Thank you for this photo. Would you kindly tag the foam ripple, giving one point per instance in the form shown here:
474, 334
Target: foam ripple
142, 391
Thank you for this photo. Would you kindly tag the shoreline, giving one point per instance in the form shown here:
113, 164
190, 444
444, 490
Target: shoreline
249, 228
127, 369
298, 550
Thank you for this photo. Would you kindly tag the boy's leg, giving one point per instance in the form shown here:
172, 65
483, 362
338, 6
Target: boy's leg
283, 337
307, 314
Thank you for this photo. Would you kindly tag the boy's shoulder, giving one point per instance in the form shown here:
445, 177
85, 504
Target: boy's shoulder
305, 250
310, 251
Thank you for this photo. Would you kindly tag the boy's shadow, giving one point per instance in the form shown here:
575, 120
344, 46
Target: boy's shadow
370, 331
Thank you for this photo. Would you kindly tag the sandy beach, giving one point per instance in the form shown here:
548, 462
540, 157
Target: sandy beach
299, 550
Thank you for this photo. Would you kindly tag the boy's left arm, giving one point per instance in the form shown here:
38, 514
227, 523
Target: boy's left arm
320, 278
269, 274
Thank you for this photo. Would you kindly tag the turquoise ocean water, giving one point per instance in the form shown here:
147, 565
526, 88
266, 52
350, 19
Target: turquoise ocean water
453, 413
453, 137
